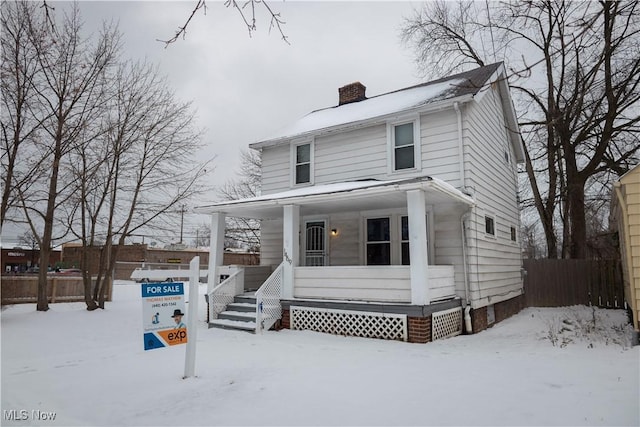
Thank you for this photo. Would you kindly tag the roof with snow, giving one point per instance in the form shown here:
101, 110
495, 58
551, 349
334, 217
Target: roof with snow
417, 97
341, 196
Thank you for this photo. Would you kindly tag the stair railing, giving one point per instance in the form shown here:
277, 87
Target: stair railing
268, 308
224, 294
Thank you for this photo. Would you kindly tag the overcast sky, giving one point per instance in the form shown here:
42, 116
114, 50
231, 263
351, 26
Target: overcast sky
245, 89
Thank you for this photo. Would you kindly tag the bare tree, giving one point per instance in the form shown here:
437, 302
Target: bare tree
93, 146
577, 90
137, 170
18, 69
245, 232
203, 235
69, 88
247, 10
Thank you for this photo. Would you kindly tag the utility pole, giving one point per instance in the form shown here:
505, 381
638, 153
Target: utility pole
181, 220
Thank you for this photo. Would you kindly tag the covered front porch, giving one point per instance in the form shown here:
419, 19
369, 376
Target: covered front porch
356, 242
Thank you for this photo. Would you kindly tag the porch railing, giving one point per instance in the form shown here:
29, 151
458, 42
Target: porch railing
390, 283
268, 308
224, 294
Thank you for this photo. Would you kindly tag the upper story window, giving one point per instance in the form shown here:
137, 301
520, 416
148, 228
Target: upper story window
302, 163
404, 146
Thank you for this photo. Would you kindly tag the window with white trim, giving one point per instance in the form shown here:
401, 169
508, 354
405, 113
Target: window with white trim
302, 163
404, 146
514, 234
378, 244
387, 240
404, 241
489, 226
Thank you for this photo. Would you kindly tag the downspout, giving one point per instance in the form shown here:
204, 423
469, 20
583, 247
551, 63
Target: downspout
467, 309
456, 106
627, 243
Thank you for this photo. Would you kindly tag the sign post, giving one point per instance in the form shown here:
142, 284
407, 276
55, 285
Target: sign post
192, 317
162, 315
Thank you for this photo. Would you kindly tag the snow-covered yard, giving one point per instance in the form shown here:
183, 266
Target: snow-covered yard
541, 367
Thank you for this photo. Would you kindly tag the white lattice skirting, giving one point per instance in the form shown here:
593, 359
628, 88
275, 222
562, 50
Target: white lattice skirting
351, 323
447, 323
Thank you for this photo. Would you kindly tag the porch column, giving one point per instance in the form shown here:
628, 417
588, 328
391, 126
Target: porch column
291, 247
418, 249
216, 247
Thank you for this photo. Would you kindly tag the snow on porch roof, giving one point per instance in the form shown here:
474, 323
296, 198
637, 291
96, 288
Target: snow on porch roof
345, 193
380, 106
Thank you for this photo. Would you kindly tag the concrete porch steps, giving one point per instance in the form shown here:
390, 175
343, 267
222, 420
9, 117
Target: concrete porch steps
240, 315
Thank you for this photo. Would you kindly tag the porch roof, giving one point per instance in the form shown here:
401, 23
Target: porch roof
340, 197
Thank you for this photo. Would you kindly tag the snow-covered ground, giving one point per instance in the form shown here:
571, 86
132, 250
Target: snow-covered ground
541, 367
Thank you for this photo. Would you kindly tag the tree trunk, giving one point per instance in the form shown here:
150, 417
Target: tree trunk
42, 300
104, 285
86, 279
45, 247
575, 199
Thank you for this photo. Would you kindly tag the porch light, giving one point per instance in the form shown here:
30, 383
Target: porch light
334, 231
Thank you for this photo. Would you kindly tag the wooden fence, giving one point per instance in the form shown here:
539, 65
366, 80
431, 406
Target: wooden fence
24, 289
555, 283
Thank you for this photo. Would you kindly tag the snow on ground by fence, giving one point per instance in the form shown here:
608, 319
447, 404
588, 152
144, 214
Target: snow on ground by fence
545, 366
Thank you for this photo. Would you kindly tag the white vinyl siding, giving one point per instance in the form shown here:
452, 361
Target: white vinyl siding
494, 262
439, 136
365, 153
271, 242
389, 283
345, 248
447, 232
351, 155
275, 169
370, 283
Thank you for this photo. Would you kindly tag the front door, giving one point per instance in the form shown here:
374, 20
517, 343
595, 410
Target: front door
315, 244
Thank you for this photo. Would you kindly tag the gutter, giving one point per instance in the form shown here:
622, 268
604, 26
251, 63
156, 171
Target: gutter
467, 310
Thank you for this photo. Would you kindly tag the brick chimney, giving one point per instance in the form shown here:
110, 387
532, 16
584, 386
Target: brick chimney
353, 92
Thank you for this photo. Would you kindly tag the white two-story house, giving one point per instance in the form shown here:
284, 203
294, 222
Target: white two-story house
392, 216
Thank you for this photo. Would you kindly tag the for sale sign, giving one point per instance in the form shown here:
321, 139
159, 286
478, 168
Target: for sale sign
163, 315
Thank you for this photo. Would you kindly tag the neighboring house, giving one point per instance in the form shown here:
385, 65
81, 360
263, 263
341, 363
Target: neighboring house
625, 210
387, 216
